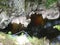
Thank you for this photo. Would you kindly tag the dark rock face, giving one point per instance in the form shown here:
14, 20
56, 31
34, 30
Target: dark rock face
14, 28
52, 33
45, 30
36, 28
40, 31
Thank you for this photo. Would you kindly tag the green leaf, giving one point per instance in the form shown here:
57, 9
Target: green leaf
57, 27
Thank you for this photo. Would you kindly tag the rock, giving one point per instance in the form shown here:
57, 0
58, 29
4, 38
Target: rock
3, 20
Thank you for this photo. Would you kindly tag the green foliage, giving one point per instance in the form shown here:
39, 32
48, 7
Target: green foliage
49, 2
36, 41
9, 32
6, 39
3, 0
4, 4
57, 27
